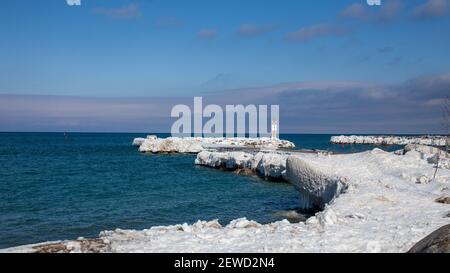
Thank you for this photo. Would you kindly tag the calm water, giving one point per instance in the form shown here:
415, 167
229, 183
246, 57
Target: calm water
55, 187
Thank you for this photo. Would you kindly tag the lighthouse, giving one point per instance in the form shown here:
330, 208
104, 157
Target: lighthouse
274, 129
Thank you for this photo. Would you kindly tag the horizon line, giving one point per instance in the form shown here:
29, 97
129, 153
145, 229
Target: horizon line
168, 133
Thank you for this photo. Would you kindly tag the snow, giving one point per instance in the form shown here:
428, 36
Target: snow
316, 184
382, 208
154, 144
390, 140
267, 164
138, 141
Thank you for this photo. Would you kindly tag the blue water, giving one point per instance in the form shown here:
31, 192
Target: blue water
55, 187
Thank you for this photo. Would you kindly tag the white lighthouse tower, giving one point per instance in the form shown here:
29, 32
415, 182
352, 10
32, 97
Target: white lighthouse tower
274, 129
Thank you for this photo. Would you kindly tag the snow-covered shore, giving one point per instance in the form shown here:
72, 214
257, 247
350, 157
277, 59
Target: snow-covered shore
153, 144
386, 202
390, 140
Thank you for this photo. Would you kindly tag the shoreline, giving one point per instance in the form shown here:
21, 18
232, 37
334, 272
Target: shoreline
373, 201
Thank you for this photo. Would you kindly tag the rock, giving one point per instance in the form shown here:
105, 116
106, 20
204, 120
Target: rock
434, 159
423, 180
441, 159
316, 188
436, 242
83, 245
244, 172
327, 217
443, 200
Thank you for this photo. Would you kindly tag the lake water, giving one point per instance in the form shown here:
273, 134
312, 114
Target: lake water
55, 186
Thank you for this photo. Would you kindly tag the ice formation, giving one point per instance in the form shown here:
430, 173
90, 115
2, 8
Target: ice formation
270, 165
317, 186
382, 207
138, 141
153, 144
390, 140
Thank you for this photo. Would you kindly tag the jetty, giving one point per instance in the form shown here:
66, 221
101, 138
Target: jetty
153, 144
391, 140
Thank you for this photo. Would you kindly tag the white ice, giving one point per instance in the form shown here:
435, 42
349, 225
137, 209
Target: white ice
153, 144
390, 140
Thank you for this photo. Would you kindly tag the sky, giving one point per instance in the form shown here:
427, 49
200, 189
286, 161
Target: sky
120, 65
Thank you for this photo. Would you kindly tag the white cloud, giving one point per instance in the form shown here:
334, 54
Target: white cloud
355, 11
131, 11
432, 9
207, 34
305, 34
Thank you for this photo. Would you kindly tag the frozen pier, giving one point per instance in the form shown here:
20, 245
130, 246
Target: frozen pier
153, 144
390, 140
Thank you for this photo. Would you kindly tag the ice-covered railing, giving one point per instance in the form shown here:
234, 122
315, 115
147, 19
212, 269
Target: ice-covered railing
390, 140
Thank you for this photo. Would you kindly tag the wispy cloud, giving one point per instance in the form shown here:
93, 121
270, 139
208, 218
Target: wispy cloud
396, 60
207, 34
84, 114
308, 33
128, 12
390, 10
313, 107
169, 21
355, 11
355, 107
385, 49
252, 30
432, 9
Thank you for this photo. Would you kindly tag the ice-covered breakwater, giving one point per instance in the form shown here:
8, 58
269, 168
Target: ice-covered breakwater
373, 201
390, 140
317, 186
270, 165
153, 144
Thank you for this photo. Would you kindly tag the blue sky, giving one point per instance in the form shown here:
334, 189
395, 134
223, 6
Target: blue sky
159, 48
